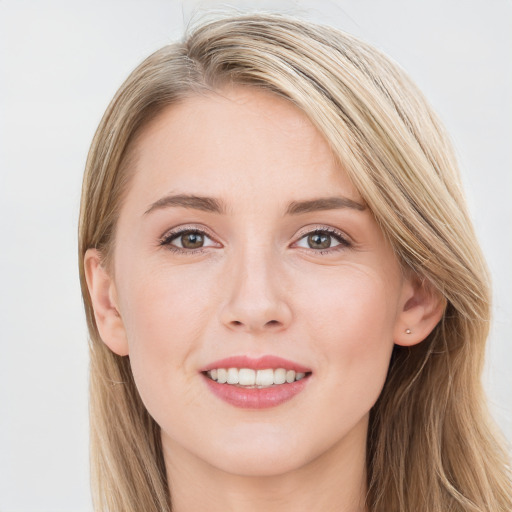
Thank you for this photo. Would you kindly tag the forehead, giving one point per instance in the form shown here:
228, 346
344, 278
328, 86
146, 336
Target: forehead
239, 141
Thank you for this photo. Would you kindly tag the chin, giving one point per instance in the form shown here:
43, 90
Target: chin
263, 455
261, 465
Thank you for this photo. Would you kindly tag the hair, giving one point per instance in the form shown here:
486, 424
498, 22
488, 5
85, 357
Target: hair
431, 444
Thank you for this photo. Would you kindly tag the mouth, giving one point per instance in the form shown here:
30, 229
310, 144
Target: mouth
255, 379
256, 383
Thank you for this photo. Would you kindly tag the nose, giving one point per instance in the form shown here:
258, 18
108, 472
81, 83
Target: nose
256, 299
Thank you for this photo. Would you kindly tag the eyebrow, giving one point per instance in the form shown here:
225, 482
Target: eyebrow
323, 203
212, 205
207, 204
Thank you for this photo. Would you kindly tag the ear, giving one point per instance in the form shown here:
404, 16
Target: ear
421, 309
104, 301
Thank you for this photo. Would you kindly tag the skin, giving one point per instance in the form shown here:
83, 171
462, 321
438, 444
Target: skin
256, 287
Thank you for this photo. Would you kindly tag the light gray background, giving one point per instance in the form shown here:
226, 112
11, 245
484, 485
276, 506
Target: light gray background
61, 62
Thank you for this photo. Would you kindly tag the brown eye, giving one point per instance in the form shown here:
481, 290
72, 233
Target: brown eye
188, 240
323, 239
319, 241
191, 240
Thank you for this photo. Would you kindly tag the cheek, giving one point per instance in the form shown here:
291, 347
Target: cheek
353, 304
165, 314
165, 307
351, 316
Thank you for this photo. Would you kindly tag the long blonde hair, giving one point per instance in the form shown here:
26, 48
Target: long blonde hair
430, 446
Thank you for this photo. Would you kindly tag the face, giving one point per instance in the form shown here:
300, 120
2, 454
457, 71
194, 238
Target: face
241, 237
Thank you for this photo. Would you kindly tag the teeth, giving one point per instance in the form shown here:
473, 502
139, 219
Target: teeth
246, 377
279, 376
265, 377
232, 376
254, 378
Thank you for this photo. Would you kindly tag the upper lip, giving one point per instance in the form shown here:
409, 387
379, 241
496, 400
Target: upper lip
260, 363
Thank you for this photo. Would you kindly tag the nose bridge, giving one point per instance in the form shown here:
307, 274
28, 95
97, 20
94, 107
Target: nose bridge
256, 299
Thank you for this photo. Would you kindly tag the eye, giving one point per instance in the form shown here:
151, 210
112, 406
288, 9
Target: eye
322, 239
188, 240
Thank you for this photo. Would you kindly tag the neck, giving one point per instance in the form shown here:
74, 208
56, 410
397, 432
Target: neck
335, 480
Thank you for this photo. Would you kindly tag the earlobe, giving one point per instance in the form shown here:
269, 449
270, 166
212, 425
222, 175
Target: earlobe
104, 301
422, 308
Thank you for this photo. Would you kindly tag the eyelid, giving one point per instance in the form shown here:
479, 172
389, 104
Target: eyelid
344, 239
312, 228
173, 233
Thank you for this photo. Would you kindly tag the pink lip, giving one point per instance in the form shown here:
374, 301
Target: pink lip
261, 363
254, 398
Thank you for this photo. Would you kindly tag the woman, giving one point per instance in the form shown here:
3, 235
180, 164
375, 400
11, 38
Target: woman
286, 301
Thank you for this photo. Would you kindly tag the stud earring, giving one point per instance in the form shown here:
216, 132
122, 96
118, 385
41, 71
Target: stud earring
408, 331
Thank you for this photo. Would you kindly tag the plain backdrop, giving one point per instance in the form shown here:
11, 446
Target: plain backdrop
60, 64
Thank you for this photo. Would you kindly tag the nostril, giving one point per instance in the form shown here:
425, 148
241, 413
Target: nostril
272, 323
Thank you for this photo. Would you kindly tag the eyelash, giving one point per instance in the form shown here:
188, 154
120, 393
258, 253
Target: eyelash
167, 240
173, 235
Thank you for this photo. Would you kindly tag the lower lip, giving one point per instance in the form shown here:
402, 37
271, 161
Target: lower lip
254, 398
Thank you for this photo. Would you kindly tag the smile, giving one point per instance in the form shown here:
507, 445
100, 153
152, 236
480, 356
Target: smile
259, 379
248, 383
